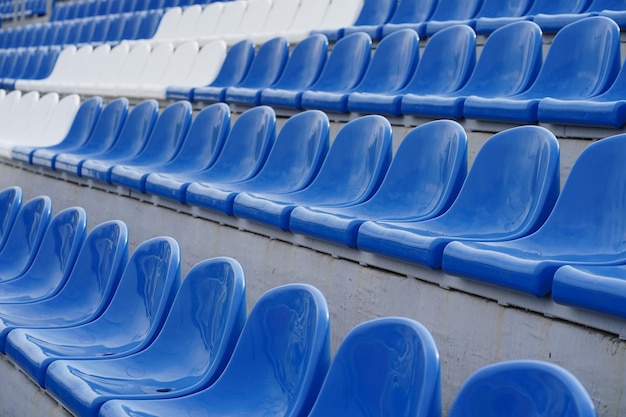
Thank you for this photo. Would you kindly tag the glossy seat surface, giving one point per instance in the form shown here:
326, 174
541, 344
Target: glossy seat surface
509, 191
10, 205
497, 13
423, 179
341, 15
292, 163
376, 14
522, 388
583, 228
582, 62
189, 353
509, 62
383, 367
280, 379
448, 13
252, 21
553, 22
127, 322
350, 174
279, 19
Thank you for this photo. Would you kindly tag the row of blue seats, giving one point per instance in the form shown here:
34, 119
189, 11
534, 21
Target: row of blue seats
27, 8
421, 206
579, 82
109, 29
90, 8
111, 335
34, 63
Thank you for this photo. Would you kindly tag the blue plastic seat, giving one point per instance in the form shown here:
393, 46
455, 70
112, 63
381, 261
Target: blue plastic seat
24, 237
445, 65
409, 14
522, 388
243, 154
199, 150
384, 367
292, 163
149, 24
126, 324
582, 62
448, 13
350, 174
509, 191
509, 63
486, 19
401, 48
105, 130
583, 228
422, 181
53, 262
10, 205
189, 354
84, 121
553, 22
265, 69
373, 15
281, 379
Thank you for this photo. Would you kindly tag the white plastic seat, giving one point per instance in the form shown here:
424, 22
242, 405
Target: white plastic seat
62, 66
131, 69
206, 66
153, 69
74, 71
60, 121
310, 16
187, 23
207, 22
232, 15
253, 21
109, 73
20, 119
279, 19
166, 28
92, 70
8, 106
341, 14
3, 93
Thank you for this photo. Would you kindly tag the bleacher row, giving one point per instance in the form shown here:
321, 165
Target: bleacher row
25, 8
108, 334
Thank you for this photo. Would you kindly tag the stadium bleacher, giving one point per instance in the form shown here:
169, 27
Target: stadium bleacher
447, 174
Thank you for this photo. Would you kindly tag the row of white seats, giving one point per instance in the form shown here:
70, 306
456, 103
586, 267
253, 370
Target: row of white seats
258, 20
141, 70
18, 114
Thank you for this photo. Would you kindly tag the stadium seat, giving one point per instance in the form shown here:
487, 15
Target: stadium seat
447, 13
343, 14
350, 174
408, 14
125, 321
582, 62
233, 70
114, 29
423, 180
105, 130
309, 16
108, 73
445, 65
264, 69
206, 23
232, 14
130, 72
522, 388
293, 161
15, 67
509, 191
279, 19
8, 106
618, 15
53, 262
283, 378
491, 13
100, 30
383, 367
153, 69
71, 70
161, 145
344, 69
509, 62
583, 228
253, 20
189, 353
10, 204
149, 25
186, 24
63, 64
18, 118
401, 47
244, 152
131, 139
167, 25
553, 22
24, 237
90, 73
80, 129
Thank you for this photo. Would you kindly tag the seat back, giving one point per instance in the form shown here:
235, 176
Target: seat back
446, 62
134, 64
156, 64
187, 22
100, 30
522, 388
208, 20
280, 16
236, 64
206, 65
346, 64
455, 9
95, 64
341, 14
149, 25
504, 8
114, 64
375, 12
401, 48
232, 15
75, 70
8, 107
305, 64
582, 61
557, 6
20, 116
600, 5
10, 204
167, 24
268, 64
61, 120
38, 119
179, 64
254, 17
388, 366
115, 28
309, 15
63, 63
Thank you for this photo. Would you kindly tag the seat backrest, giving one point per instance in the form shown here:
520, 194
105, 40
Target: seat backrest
583, 60
20, 116
115, 28
8, 106
179, 64
346, 64
17, 64
39, 119
375, 12
446, 62
61, 120
290, 322
208, 20
557, 6
186, 25
100, 30
255, 16
31, 70
281, 15
149, 25
93, 67
268, 64
75, 69
246, 147
236, 64
600, 5
156, 64
341, 14
232, 15
401, 48
112, 67
85, 33
131, 23
504, 8
167, 24
455, 9
310, 15
25, 236
10, 204
135, 63
305, 63
387, 366
522, 388
206, 65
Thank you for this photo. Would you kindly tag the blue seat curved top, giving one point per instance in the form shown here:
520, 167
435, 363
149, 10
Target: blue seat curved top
126, 324
292, 163
448, 13
10, 205
522, 388
243, 154
281, 379
384, 367
82, 126
189, 353
373, 15
497, 13
408, 14
553, 22
401, 48
53, 262
585, 227
423, 179
447, 61
509, 191
350, 174
582, 62
234, 69
509, 63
